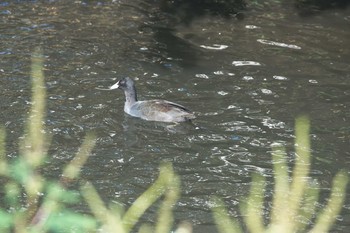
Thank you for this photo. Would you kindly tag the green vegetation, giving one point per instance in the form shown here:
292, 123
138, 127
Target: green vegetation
294, 198
31, 203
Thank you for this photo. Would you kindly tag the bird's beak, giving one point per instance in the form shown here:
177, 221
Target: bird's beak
115, 86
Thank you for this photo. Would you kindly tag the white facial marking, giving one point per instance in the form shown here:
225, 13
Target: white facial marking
115, 86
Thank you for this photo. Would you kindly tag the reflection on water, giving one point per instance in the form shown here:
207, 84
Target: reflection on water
246, 80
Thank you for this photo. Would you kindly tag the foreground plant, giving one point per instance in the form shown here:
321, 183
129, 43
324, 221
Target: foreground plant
31, 203
294, 198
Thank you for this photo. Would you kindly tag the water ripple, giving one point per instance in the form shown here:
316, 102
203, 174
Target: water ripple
273, 123
246, 63
215, 47
279, 44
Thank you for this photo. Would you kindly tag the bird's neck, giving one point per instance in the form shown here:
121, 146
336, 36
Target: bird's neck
130, 96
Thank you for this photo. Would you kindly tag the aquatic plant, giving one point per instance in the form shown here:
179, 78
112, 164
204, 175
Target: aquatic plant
32, 203
294, 198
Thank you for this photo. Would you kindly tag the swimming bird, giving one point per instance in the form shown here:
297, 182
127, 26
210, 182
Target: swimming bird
151, 110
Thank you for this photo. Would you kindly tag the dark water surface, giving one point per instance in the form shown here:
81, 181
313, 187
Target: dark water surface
246, 79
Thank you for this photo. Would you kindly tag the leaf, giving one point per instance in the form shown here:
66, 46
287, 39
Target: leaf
67, 221
222, 218
58, 193
6, 220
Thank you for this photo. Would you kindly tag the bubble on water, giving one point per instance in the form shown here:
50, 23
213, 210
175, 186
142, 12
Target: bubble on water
223, 93
313, 81
202, 76
266, 91
251, 27
219, 72
248, 78
279, 77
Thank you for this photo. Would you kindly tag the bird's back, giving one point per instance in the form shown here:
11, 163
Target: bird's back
160, 110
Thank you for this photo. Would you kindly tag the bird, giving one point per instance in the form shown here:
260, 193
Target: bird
151, 110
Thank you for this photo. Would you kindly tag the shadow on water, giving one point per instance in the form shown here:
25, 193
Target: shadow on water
310, 7
167, 15
176, 49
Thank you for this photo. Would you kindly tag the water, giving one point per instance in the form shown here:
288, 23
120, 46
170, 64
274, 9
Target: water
246, 79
